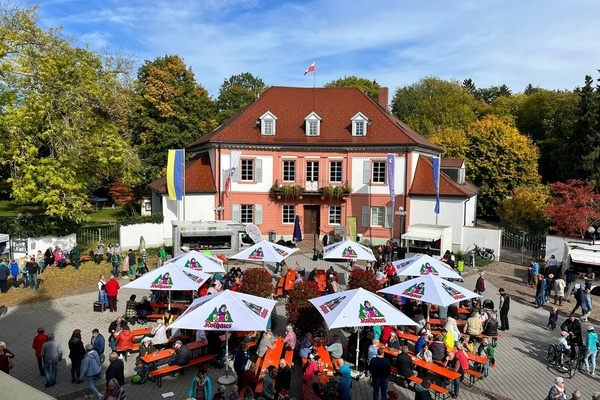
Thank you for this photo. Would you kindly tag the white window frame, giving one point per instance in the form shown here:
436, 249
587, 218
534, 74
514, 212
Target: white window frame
335, 215
283, 171
374, 170
360, 123
375, 214
268, 124
290, 210
341, 171
312, 124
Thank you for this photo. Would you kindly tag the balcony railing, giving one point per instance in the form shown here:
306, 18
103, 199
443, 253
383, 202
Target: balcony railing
297, 189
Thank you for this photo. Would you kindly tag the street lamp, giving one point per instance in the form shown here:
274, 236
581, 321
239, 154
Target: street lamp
219, 210
592, 232
401, 213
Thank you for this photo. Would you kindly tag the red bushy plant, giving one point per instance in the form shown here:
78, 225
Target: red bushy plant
257, 282
301, 314
360, 278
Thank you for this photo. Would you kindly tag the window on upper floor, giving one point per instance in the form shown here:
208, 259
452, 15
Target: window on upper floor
247, 213
247, 170
288, 213
268, 124
335, 171
359, 124
313, 124
289, 171
378, 172
335, 215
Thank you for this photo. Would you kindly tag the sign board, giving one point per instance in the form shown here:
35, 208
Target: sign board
254, 232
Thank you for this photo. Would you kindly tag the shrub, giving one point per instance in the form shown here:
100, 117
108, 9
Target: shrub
301, 314
257, 282
360, 278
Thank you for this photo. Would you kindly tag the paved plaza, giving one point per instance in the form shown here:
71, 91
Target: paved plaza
522, 372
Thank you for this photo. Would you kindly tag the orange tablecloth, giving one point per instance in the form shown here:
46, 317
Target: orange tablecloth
272, 356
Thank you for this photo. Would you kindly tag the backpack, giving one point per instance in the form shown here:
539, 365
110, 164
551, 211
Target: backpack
140, 378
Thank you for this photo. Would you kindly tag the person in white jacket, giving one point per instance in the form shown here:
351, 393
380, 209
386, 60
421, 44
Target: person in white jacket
160, 338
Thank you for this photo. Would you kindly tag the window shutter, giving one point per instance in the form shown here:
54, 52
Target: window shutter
258, 214
366, 217
258, 170
388, 217
367, 172
235, 212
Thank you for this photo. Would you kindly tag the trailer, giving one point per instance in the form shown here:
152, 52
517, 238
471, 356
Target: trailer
219, 237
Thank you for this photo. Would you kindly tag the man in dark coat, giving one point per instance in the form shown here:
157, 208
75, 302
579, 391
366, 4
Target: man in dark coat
380, 370
116, 369
182, 354
405, 365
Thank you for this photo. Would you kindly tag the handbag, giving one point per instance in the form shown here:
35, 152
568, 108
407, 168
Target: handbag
10, 364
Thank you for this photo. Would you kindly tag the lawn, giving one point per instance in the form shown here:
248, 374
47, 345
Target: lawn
10, 209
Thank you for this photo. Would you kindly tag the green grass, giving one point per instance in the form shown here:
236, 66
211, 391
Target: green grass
103, 216
9, 208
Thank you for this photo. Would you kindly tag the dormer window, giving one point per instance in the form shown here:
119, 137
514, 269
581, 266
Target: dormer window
268, 124
359, 125
313, 124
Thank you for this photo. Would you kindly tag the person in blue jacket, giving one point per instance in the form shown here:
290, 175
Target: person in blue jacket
14, 271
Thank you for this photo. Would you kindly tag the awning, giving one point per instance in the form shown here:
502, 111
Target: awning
585, 256
422, 236
4, 237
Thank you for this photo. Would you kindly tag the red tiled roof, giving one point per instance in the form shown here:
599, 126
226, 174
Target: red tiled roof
198, 177
452, 162
336, 107
423, 182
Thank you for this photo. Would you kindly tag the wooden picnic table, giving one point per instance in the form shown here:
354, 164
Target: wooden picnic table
156, 356
326, 362
429, 366
321, 280
290, 278
272, 356
141, 331
165, 306
442, 322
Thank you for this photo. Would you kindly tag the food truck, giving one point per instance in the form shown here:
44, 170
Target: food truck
219, 237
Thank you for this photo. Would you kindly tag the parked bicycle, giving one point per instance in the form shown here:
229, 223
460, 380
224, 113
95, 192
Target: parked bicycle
483, 252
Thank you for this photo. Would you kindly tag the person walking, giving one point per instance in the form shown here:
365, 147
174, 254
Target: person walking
591, 344
99, 343
504, 308
38, 342
76, 354
33, 269
579, 294
6, 357
380, 370
480, 284
559, 290
90, 370
570, 277
52, 355
14, 272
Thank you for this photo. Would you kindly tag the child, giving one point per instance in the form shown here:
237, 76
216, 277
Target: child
552, 319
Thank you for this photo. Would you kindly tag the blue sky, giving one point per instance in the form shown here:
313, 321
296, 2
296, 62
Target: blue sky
548, 43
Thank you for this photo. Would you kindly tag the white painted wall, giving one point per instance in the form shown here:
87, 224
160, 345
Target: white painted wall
482, 237
451, 214
263, 186
130, 235
357, 176
197, 207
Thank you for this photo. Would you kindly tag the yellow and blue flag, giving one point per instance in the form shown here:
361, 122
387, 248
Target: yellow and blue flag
175, 171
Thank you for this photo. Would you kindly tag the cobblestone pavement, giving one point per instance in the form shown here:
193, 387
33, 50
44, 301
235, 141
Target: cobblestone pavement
522, 372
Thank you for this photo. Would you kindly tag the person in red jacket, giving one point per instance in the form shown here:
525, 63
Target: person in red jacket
125, 340
112, 290
38, 342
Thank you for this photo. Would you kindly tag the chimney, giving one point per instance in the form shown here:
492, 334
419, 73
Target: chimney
383, 97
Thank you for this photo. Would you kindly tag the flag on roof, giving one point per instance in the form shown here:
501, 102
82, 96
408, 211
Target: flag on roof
310, 69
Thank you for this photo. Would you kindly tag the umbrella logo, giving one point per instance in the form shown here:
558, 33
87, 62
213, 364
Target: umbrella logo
193, 264
331, 304
258, 310
281, 252
427, 269
195, 278
219, 318
163, 281
416, 291
349, 252
257, 254
369, 314
455, 294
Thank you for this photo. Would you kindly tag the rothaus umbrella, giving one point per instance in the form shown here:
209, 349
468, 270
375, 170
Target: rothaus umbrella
169, 277
264, 251
226, 311
297, 236
198, 261
358, 308
422, 264
430, 289
348, 250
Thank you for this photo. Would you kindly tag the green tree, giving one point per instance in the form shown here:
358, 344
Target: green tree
62, 109
237, 92
171, 111
525, 210
454, 142
433, 104
584, 146
368, 87
499, 160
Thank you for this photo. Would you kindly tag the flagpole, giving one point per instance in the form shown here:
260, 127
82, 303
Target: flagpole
183, 179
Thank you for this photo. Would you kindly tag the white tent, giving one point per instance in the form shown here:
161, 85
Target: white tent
12, 388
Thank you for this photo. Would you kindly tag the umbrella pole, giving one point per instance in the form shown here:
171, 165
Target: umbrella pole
226, 379
169, 300
357, 346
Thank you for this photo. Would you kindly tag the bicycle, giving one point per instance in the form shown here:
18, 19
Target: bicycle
562, 360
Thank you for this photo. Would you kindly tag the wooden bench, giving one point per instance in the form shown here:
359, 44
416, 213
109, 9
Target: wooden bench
157, 374
474, 376
438, 391
126, 350
280, 288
